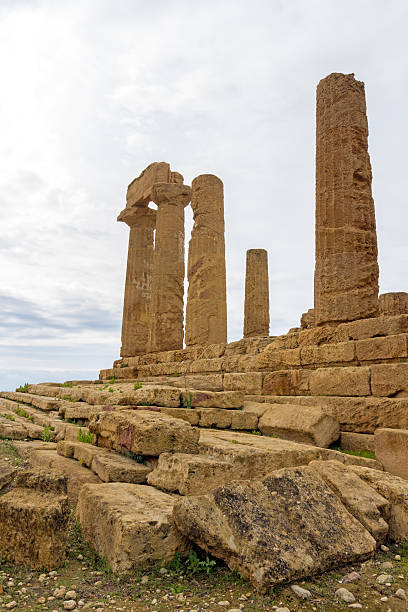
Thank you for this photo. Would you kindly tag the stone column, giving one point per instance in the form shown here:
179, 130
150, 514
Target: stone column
206, 315
256, 310
167, 312
136, 306
346, 272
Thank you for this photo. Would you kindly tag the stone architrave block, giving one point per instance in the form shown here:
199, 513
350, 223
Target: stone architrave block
307, 424
286, 527
129, 525
391, 450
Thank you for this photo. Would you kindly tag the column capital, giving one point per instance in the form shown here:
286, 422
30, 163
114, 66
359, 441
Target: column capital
138, 216
175, 194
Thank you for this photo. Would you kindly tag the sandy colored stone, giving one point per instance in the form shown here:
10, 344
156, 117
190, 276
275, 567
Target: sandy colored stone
187, 414
119, 373
44, 403
7, 473
206, 365
76, 474
346, 272
393, 303
389, 380
243, 420
81, 411
256, 307
378, 349
34, 521
213, 399
273, 359
307, 319
391, 450
139, 190
256, 408
167, 296
361, 500
395, 490
371, 328
81, 451
129, 525
189, 474
254, 456
307, 424
340, 381
206, 312
143, 432
25, 447
111, 467
286, 527
342, 353
249, 382
357, 441
215, 417
287, 382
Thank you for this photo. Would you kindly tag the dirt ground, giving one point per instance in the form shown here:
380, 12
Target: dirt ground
194, 585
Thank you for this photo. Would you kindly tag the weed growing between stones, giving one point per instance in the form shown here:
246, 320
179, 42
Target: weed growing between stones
86, 437
47, 433
23, 388
137, 386
67, 384
9, 417
135, 457
356, 453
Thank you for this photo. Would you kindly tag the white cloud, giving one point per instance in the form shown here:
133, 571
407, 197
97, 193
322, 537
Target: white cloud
94, 91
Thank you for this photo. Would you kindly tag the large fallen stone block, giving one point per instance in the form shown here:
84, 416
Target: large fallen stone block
76, 474
361, 500
391, 450
213, 399
395, 490
144, 432
116, 468
129, 525
190, 474
34, 520
308, 424
286, 527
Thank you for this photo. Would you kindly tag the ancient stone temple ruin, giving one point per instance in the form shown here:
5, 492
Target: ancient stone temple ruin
263, 428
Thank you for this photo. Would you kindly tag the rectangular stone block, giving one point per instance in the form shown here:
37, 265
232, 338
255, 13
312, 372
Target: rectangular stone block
271, 359
143, 432
391, 450
206, 365
111, 467
351, 381
189, 474
357, 441
215, 417
186, 414
389, 380
371, 328
130, 525
248, 382
208, 382
119, 373
341, 353
212, 399
243, 420
389, 347
287, 382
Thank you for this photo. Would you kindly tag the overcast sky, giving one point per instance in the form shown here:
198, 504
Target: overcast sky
92, 91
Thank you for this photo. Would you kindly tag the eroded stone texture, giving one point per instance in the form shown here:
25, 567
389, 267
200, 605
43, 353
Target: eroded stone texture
136, 306
139, 190
346, 272
393, 303
307, 319
167, 314
256, 311
206, 315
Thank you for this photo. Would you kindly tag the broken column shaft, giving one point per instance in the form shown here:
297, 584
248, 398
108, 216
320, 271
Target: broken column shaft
136, 306
256, 310
346, 272
206, 314
168, 267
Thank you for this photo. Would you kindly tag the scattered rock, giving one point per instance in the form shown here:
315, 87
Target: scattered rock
400, 593
350, 577
345, 595
69, 604
384, 578
300, 592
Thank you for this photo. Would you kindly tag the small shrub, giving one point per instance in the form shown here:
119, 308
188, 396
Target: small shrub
256, 432
112, 380
137, 386
188, 399
69, 398
360, 453
110, 390
86, 437
19, 410
67, 384
135, 457
175, 374
23, 388
47, 435
10, 417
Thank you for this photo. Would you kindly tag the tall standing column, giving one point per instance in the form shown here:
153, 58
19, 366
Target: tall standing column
346, 272
136, 306
206, 315
167, 312
256, 310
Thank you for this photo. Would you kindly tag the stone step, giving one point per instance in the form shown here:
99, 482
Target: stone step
357, 442
359, 415
130, 525
76, 474
108, 465
17, 427
44, 403
28, 412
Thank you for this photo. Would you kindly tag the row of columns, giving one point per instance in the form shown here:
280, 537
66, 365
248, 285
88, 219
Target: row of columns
153, 312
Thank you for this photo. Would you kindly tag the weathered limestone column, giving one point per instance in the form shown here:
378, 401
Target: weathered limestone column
206, 315
256, 310
346, 272
136, 306
167, 312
